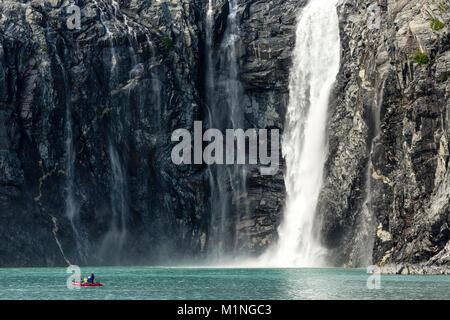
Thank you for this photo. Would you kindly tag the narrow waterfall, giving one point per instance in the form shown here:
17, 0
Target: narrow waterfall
109, 35
223, 98
316, 59
361, 255
111, 249
156, 85
72, 207
209, 83
115, 238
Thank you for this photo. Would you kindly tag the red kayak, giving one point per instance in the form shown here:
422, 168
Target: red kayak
77, 284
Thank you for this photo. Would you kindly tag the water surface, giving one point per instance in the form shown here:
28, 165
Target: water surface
217, 283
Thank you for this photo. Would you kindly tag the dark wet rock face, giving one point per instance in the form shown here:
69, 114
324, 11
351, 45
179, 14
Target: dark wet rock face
126, 90
86, 118
86, 121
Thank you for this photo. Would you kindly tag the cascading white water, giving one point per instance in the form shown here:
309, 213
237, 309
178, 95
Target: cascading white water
316, 59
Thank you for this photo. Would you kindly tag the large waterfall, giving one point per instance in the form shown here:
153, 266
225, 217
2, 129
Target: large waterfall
316, 60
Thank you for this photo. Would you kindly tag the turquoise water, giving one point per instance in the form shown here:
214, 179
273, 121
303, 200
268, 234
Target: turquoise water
215, 283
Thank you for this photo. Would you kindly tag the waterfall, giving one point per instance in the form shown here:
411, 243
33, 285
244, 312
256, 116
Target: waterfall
111, 247
209, 87
156, 85
316, 59
115, 238
71, 205
223, 99
109, 35
365, 235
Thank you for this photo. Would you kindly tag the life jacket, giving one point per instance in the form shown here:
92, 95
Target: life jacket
85, 280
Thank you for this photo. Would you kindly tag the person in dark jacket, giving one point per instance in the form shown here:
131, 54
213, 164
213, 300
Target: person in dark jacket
92, 277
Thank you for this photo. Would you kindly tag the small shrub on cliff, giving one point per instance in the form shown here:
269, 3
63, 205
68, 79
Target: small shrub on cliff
169, 42
444, 77
421, 58
436, 24
443, 6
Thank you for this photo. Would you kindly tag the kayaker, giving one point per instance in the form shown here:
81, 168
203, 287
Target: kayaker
92, 277
85, 280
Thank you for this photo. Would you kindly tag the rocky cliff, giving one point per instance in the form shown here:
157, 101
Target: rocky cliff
86, 121
128, 77
387, 171
86, 117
